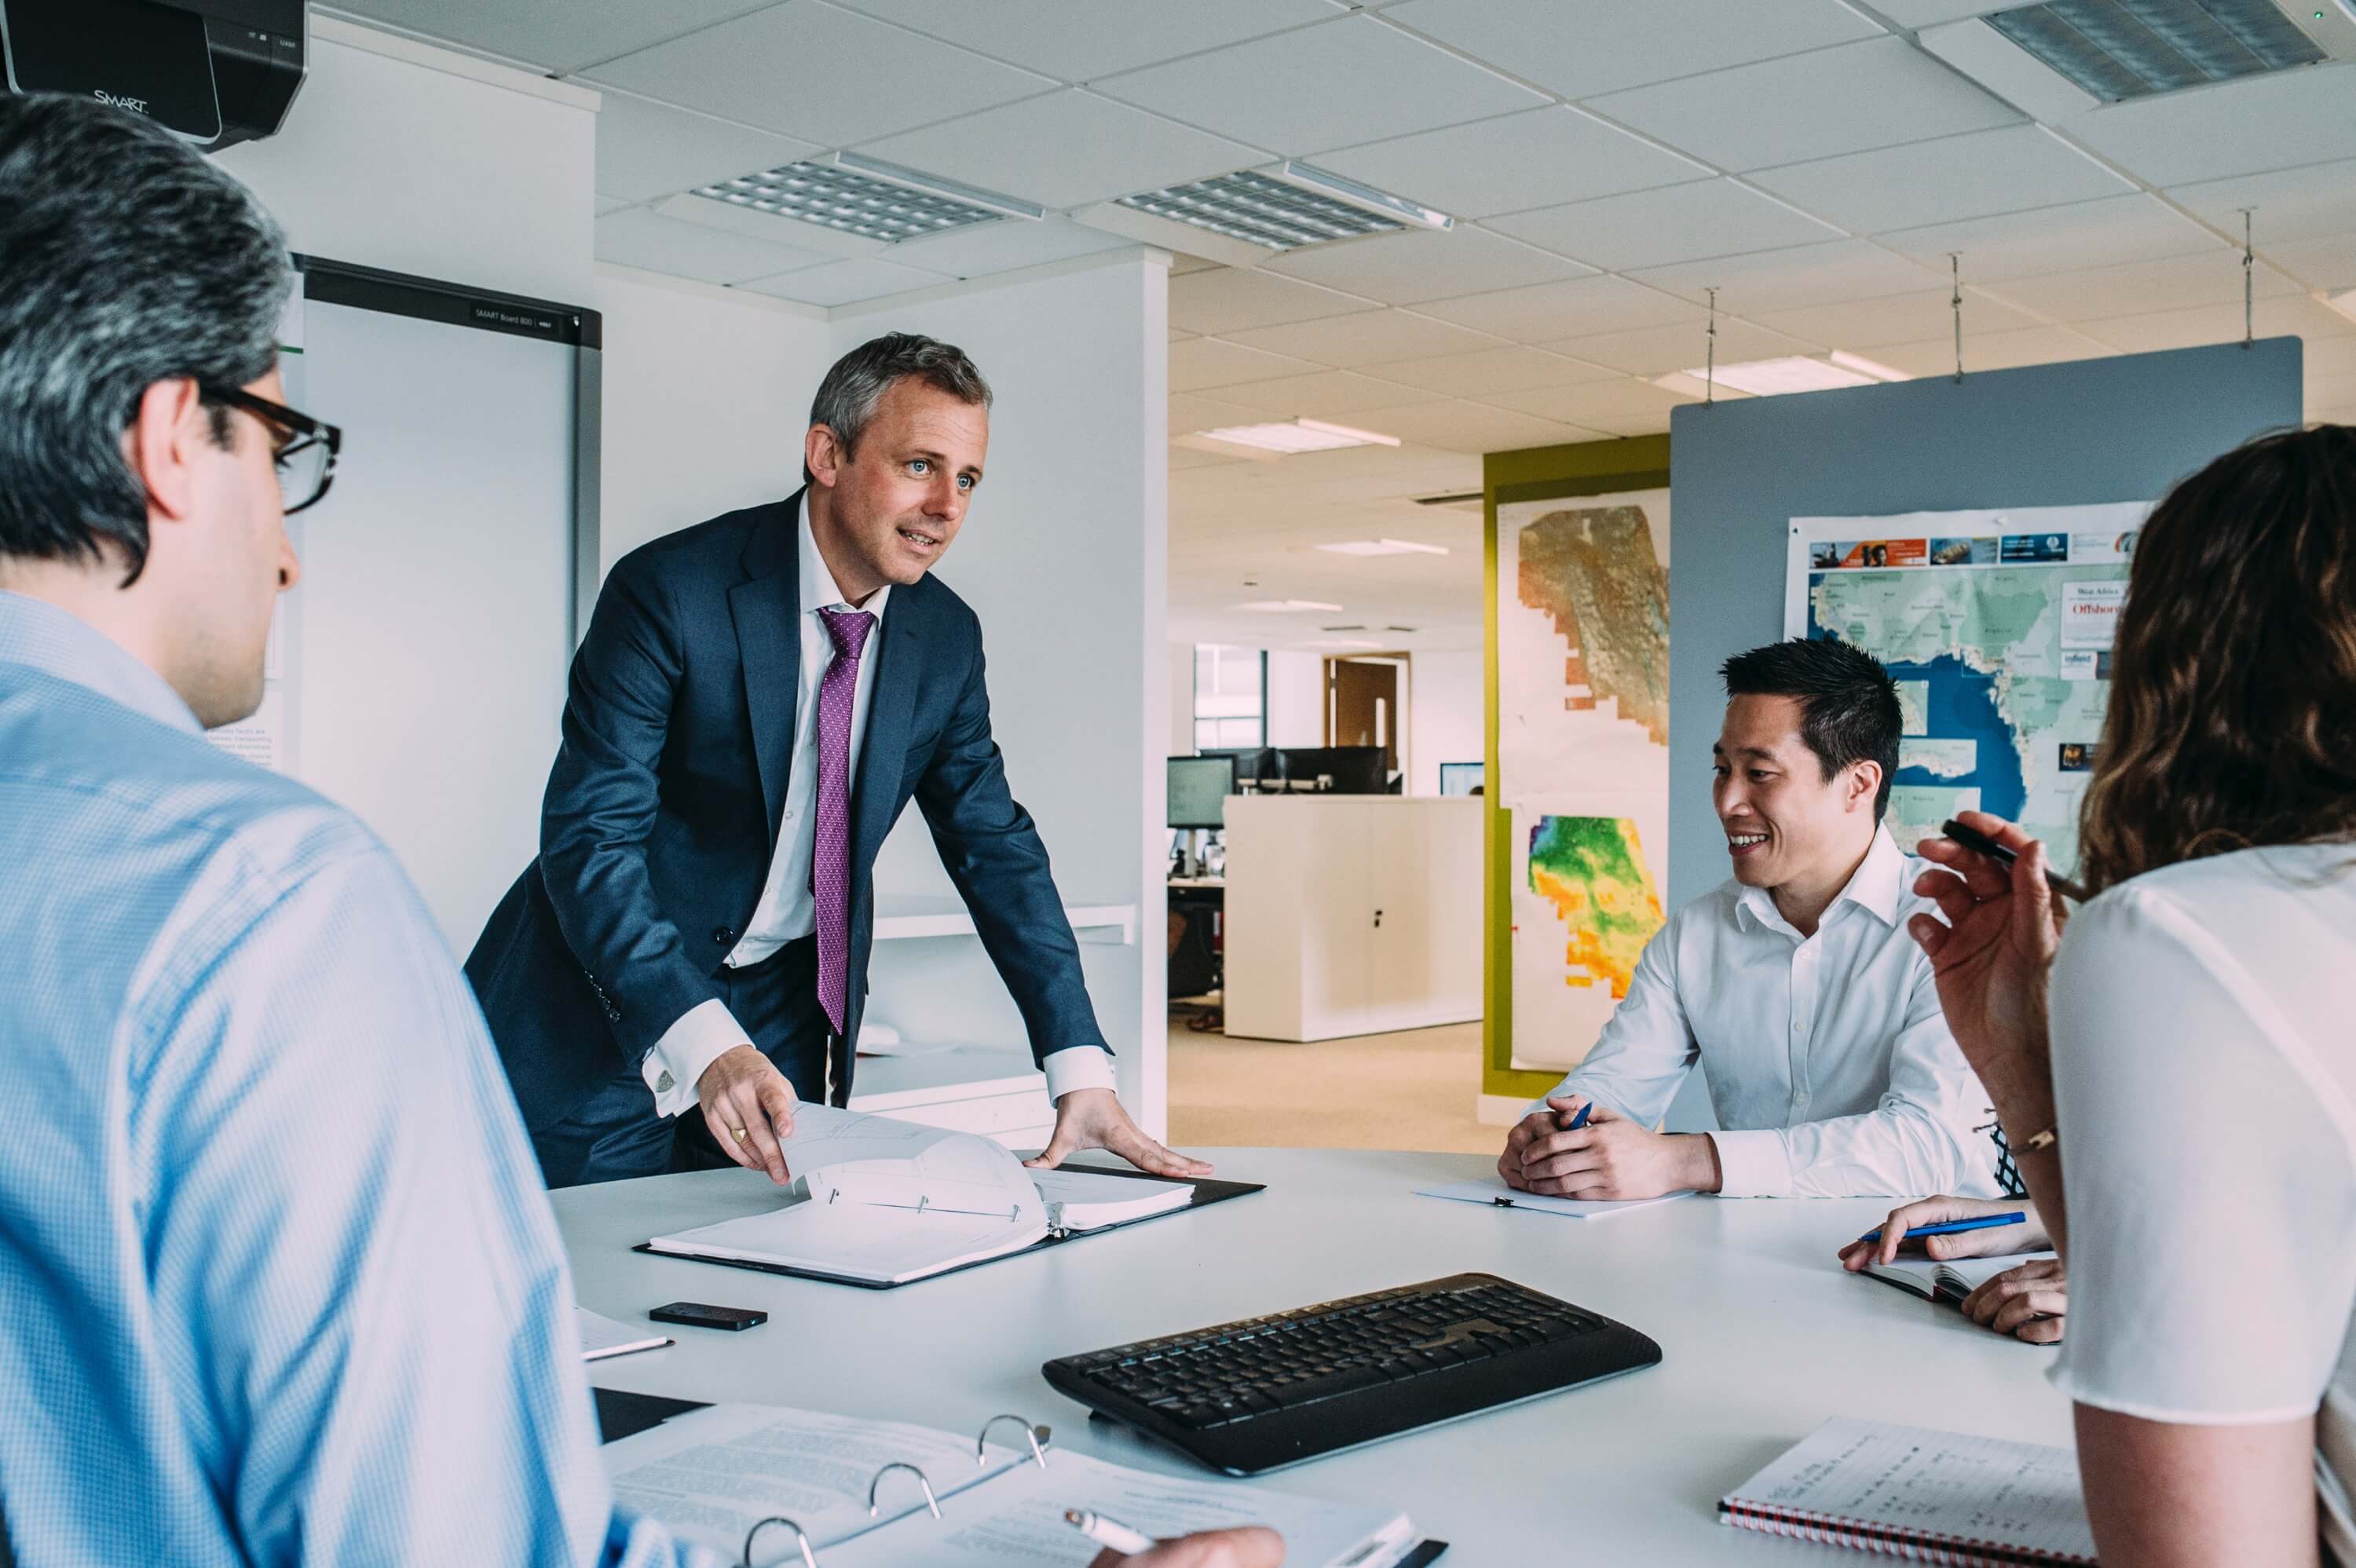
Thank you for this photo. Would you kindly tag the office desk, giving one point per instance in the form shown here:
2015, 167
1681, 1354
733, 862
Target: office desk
1763, 1338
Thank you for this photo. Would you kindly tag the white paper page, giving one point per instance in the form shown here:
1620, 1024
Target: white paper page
1020, 1520
1489, 1189
1937, 1483
601, 1336
1089, 1199
1968, 1274
885, 1246
711, 1474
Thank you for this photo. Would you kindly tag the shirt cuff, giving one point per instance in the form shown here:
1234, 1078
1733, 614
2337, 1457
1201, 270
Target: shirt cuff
1080, 1067
1753, 1164
677, 1063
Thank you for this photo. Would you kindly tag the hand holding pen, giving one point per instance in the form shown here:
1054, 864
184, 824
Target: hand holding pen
1249, 1546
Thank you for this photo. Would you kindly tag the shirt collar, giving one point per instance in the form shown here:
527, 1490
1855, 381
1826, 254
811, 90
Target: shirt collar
820, 589
1878, 885
57, 642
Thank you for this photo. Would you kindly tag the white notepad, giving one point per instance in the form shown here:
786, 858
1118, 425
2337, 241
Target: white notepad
1494, 1192
601, 1336
1089, 1199
1908, 1491
1949, 1282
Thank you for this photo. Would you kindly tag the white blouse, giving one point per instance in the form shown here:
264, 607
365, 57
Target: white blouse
2204, 1065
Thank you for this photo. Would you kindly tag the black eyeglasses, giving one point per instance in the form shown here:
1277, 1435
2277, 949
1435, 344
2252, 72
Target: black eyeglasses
306, 462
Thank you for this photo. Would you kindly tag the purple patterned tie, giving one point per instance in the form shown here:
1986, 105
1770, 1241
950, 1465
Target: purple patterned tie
830, 850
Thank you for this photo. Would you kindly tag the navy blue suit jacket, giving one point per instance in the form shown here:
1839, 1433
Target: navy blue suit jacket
663, 807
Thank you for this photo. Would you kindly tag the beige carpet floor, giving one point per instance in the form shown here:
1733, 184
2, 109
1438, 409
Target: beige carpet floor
1414, 1091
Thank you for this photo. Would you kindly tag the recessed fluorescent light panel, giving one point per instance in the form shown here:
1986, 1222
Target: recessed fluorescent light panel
1340, 643
1298, 435
1287, 207
2129, 49
872, 199
1383, 547
2344, 304
1792, 373
1288, 606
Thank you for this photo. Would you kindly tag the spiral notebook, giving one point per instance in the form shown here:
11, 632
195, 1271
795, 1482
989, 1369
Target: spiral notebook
1933, 1497
769, 1485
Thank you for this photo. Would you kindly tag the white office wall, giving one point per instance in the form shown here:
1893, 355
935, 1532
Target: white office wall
706, 399
1182, 698
1296, 698
1449, 687
1065, 558
420, 165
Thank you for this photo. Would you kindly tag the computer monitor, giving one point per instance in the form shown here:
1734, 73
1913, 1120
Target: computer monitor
1354, 770
1199, 787
1460, 778
1253, 764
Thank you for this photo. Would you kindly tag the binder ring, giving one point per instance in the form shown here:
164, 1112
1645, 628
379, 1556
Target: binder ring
1031, 1434
876, 1484
801, 1539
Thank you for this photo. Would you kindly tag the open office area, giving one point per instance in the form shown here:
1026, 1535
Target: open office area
1204, 784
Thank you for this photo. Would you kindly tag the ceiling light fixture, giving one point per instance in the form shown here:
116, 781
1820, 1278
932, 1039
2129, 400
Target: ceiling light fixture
1340, 643
1766, 378
1285, 207
867, 197
1287, 606
1383, 547
1297, 435
2119, 49
2344, 304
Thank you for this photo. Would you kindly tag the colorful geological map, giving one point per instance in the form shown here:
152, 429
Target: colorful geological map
1592, 870
1592, 569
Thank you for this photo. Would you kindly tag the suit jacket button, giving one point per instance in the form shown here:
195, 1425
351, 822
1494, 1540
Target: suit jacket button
722, 935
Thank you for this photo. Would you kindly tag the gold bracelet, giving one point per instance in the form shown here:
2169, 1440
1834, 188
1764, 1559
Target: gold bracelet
2044, 1140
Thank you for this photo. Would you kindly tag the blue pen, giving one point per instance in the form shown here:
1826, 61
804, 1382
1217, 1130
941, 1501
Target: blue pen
2016, 1217
1579, 1120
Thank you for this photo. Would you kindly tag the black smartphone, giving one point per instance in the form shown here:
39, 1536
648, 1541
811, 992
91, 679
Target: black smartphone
703, 1314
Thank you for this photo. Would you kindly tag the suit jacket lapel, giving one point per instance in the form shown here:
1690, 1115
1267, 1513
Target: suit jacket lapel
892, 704
766, 607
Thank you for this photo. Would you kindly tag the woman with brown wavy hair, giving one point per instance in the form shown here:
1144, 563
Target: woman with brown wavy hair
2193, 1068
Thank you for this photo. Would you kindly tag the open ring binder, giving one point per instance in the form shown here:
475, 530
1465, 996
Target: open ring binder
922, 1479
809, 1559
1035, 1435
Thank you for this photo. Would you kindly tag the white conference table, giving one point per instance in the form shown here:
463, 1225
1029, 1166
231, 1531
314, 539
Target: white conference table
1764, 1337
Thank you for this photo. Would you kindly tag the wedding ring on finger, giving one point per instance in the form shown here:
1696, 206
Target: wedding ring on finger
737, 1133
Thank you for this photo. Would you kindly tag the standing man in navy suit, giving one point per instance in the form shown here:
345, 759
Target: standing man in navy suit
758, 697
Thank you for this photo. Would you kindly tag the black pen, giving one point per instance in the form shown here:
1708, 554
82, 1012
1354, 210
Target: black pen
1979, 843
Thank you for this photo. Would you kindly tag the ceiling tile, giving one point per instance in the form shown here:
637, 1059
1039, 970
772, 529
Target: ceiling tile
2242, 127
981, 249
846, 283
1328, 394
607, 204
1785, 280
1513, 162
1180, 265
2327, 263
1564, 310
1579, 51
647, 149
2290, 315
1991, 351
1080, 39
1926, 13
1229, 298
1190, 413
2179, 282
1354, 340
1067, 149
1406, 269
2109, 232
1658, 350
558, 35
2292, 204
1971, 175
1333, 85
1459, 425
1862, 325
1182, 458
1604, 405
1490, 371
1213, 362
794, 69
1679, 223
637, 238
1876, 93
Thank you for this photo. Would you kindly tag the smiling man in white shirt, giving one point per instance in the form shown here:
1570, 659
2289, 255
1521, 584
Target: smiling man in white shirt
1794, 984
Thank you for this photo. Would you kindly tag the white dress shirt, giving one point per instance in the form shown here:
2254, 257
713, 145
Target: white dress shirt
1828, 1062
788, 910
2204, 1079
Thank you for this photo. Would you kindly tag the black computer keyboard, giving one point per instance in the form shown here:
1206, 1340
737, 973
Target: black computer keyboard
1267, 1391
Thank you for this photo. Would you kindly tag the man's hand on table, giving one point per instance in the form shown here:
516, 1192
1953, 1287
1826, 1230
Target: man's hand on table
748, 1106
2031, 1302
1249, 1546
1611, 1158
1094, 1118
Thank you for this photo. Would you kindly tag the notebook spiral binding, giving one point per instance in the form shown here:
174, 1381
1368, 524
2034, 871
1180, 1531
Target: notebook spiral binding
1037, 1436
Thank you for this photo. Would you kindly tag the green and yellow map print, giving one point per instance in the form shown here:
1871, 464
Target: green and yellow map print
1996, 627
1592, 870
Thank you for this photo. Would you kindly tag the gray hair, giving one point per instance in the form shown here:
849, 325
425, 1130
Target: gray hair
129, 260
847, 398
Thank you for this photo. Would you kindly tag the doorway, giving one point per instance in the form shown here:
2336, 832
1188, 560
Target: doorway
1365, 706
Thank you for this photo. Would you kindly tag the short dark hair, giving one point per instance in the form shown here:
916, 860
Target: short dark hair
847, 398
1848, 704
129, 260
